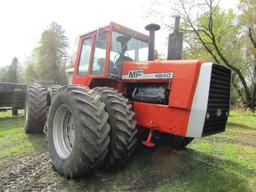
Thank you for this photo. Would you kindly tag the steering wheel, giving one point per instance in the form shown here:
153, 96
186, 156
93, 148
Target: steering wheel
116, 58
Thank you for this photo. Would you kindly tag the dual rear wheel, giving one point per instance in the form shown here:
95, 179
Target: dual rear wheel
79, 121
86, 127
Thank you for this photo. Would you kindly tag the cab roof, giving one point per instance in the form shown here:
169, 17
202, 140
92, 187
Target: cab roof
119, 28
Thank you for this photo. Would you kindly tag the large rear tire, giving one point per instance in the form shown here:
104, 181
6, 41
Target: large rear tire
123, 132
77, 131
35, 108
51, 91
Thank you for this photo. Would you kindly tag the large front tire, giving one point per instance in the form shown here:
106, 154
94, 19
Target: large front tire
77, 131
123, 132
35, 108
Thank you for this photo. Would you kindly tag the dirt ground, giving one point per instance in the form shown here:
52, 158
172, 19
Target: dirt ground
225, 162
33, 171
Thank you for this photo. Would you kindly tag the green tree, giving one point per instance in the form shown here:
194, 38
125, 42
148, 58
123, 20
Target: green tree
3, 72
30, 73
48, 61
10, 73
248, 21
215, 33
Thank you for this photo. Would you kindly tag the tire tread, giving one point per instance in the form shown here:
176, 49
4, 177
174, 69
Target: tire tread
123, 130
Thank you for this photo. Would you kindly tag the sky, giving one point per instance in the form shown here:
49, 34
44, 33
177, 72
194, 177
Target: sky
23, 21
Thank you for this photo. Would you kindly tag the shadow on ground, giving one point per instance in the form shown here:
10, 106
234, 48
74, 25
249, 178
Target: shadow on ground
160, 169
166, 170
241, 126
39, 142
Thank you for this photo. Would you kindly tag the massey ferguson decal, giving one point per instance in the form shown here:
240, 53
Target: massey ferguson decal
139, 74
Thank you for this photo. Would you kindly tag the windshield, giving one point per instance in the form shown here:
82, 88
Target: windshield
126, 48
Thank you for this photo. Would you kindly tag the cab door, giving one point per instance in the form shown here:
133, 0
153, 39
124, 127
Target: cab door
92, 59
82, 72
100, 60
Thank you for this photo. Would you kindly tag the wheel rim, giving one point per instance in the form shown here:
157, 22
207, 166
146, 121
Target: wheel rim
26, 110
63, 131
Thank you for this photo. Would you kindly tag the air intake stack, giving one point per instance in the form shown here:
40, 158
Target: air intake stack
175, 42
151, 49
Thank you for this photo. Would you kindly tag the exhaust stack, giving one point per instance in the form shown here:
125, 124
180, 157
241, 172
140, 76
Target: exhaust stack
151, 49
175, 42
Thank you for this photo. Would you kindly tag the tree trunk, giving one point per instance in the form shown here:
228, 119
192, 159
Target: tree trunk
253, 101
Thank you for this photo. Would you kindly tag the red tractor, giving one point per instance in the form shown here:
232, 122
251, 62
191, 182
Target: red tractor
120, 91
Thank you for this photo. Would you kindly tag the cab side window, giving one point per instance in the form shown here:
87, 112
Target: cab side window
85, 57
99, 54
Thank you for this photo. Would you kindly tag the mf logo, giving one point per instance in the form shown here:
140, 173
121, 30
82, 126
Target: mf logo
135, 74
139, 74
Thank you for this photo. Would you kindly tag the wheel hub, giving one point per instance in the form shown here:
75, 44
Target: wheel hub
63, 131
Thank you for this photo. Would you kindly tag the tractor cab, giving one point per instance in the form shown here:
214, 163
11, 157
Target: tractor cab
102, 52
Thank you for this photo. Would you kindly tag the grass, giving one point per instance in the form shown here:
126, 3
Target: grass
13, 140
222, 162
